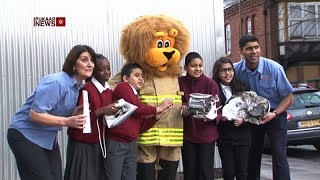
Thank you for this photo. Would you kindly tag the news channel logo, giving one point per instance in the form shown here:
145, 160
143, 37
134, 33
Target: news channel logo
49, 21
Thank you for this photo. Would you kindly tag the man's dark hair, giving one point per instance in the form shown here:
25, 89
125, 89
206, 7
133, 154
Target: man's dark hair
247, 38
128, 68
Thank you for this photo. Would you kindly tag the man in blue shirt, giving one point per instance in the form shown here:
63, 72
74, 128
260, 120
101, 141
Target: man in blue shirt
267, 78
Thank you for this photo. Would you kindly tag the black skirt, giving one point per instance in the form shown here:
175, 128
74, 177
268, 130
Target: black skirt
84, 161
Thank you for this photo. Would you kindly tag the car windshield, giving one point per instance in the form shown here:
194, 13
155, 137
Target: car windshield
306, 100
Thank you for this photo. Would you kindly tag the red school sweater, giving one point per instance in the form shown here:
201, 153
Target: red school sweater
96, 100
197, 130
129, 130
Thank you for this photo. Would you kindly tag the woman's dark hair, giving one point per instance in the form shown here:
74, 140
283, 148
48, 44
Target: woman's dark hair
128, 68
247, 38
74, 54
190, 56
236, 85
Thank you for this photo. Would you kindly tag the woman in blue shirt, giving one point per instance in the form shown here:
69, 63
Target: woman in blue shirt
32, 133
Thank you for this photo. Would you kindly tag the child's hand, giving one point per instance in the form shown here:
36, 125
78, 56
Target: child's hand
111, 109
166, 104
77, 111
224, 119
185, 110
237, 121
107, 110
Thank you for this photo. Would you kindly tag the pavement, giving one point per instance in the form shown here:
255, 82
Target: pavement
300, 169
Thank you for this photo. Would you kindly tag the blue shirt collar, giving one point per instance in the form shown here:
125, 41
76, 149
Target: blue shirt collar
258, 69
73, 81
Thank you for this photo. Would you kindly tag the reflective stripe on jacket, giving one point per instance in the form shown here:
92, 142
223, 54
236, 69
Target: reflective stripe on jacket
167, 136
168, 131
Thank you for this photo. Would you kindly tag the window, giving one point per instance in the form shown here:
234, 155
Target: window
252, 23
249, 26
310, 22
228, 39
304, 21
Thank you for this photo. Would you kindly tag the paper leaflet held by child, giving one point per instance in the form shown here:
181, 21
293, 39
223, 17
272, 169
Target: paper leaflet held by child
125, 110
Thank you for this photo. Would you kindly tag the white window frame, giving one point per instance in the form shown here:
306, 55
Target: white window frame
301, 21
249, 25
228, 38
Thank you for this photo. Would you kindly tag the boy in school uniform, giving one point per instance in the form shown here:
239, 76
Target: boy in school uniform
121, 160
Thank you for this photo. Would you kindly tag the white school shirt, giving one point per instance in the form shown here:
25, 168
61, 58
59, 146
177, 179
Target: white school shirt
226, 91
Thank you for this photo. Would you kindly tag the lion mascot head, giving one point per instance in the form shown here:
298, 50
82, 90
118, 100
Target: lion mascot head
157, 43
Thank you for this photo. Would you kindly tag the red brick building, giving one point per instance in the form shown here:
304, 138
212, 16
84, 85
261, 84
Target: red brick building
288, 31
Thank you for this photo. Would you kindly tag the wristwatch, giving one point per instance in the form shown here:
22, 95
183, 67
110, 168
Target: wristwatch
275, 112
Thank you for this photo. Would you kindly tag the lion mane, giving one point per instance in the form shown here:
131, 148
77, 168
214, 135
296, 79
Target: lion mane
157, 43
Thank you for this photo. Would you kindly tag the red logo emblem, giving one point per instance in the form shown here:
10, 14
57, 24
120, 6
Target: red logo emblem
60, 21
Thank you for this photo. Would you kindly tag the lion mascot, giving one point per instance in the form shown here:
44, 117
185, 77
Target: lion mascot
157, 43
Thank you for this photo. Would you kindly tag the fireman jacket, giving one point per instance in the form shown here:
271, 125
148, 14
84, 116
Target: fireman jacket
168, 131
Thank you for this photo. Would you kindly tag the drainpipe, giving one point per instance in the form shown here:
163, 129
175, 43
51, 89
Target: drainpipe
240, 18
265, 14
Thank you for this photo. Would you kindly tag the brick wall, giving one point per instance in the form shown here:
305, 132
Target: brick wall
264, 16
253, 9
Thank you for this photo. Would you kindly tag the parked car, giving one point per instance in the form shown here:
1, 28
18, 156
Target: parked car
303, 118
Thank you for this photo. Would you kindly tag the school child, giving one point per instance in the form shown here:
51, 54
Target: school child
199, 135
234, 136
121, 159
85, 151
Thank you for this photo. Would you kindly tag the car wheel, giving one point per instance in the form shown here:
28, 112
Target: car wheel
317, 146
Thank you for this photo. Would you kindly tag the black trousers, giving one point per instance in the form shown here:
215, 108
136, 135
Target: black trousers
33, 161
277, 133
234, 159
198, 159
